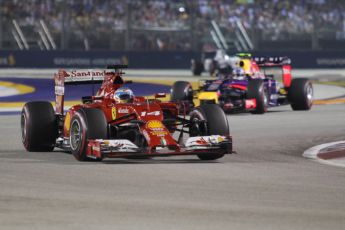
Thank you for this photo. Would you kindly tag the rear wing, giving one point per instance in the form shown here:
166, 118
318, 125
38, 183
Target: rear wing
273, 60
80, 76
279, 67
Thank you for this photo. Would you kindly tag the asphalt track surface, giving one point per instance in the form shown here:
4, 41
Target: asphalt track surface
267, 185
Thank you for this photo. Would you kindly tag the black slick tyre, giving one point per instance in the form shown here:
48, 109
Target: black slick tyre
197, 68
209, 119
38, 126
300, 94
181, 91
256, 90
86, 123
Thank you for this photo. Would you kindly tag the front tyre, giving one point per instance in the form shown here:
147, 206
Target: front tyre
86, 124
39, 126
300, 94
209, 119
256, 90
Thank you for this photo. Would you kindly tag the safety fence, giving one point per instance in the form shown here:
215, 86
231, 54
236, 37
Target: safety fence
149, 60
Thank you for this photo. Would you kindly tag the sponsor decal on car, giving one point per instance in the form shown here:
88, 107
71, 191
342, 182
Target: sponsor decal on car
159, 133
123, 110
155, 125
205, 141
78, 73
154, 113
156, 128
163, 141
113, 113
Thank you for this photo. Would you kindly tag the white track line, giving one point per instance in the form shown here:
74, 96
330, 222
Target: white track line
7, 91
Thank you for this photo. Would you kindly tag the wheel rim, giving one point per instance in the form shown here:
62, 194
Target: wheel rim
309, 94
265, 99
23, 126
189, 92
75, 135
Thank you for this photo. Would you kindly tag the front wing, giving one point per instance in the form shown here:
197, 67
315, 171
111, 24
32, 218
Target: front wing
214, 144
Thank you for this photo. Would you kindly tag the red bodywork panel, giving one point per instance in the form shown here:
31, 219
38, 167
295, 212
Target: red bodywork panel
287, 75
250, 103
242, 87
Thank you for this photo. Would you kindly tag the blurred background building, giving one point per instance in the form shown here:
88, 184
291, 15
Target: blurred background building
175, 25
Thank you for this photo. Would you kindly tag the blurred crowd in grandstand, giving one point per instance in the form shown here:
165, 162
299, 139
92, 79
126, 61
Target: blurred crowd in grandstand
176, 25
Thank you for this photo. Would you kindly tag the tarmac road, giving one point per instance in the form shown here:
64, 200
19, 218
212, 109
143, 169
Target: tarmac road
267, 185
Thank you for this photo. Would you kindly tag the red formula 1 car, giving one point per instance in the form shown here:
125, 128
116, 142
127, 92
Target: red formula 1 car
115, 123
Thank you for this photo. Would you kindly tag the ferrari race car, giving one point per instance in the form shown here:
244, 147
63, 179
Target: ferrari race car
254, 90
115, 123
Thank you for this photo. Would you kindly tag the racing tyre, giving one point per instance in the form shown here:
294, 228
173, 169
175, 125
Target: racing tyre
213, 68
300, 94
209, 119
87, 123
197, 68
38, 126
256, 90
181, 91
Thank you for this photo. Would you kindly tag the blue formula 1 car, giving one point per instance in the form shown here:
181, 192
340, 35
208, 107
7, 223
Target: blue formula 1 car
254, 90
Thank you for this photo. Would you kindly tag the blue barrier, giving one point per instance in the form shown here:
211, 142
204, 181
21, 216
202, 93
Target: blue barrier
91, 59
148, 60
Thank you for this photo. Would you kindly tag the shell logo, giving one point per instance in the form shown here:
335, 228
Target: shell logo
154, 124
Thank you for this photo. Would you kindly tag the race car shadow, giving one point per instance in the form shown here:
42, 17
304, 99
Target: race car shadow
156, 161
250, 114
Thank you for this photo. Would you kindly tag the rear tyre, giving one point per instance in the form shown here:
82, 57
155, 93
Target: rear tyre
197, 68
256, 90
181, 91
87, 123
213, 68
300, 94
38, 126
209, 119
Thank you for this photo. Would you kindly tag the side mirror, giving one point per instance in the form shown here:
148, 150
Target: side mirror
160, 95
97, 97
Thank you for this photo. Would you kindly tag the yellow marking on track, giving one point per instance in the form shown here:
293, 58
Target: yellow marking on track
11, 104
329, 102
152, 81
22, 103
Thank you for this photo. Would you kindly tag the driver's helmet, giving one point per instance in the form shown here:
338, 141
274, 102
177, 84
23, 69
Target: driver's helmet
123, 95
238, 72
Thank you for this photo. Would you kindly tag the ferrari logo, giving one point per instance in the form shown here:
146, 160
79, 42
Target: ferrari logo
113, 113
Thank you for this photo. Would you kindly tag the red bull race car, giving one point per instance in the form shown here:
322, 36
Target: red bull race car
254, 85
116, 123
